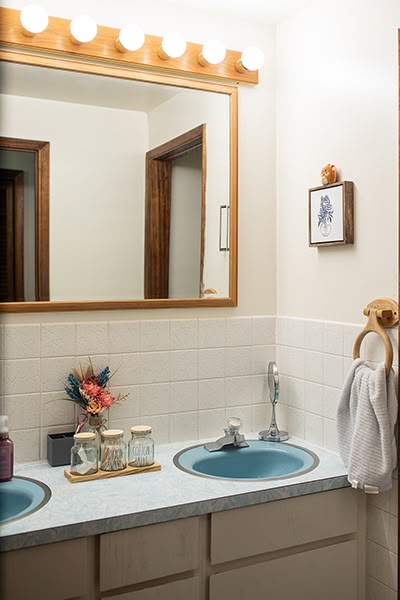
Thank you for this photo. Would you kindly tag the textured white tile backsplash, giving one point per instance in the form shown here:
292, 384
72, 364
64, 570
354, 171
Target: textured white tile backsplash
154, 367
92, 338
212, 333
184, 365
21, 341
57, 339
154, 335
124, 337
21, 376
184, 334
184, 376
239, 331
212, 363
238, 361
212, 393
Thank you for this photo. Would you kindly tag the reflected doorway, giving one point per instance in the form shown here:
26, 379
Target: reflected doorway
24, 220
175, 200
11, 235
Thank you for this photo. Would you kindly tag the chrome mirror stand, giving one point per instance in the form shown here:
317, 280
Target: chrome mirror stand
273, 434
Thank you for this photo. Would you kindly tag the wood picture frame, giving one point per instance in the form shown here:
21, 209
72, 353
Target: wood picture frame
330, 214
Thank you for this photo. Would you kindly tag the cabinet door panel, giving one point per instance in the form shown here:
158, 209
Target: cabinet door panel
51, 572
144, 553
326, 573
186, 589
252, 530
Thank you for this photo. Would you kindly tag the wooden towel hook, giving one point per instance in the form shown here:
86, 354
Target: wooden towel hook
381, 313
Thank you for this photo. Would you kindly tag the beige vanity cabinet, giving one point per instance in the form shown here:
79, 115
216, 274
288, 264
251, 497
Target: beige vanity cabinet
305, 547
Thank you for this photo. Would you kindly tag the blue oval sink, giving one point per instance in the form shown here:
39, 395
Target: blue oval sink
261, 460
21, 496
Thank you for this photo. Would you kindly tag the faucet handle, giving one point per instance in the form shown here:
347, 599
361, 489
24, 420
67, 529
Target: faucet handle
234, 424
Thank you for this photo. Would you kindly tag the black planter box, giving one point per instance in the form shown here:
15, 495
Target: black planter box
59, 448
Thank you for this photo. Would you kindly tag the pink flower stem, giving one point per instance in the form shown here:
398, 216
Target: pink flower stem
82, 422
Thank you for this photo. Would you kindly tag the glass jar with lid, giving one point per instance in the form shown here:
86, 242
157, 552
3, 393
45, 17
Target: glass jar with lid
141, 447
84, 455
113, 450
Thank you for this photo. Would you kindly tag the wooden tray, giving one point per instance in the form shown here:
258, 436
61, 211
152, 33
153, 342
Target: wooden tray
107, 474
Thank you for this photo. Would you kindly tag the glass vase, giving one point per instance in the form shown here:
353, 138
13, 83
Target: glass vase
95, 424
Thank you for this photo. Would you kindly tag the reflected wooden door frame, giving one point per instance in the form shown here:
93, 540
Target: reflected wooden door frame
41, 151
12, 183
158, 209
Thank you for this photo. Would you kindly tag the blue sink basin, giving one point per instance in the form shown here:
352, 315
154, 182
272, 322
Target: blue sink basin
261, 460
20, 497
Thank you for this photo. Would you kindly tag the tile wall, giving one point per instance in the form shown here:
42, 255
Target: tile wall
313, 358
185, 377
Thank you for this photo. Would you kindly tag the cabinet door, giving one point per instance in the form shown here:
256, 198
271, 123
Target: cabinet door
51, 572
185, 589
253, 530
328, 573
144, 553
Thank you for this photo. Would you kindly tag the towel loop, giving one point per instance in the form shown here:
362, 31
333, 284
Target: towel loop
381, 313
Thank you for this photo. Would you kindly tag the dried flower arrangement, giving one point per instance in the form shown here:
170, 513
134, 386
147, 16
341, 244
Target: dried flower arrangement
90, 391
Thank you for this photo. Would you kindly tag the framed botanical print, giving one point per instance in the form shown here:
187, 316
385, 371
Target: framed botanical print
330, 214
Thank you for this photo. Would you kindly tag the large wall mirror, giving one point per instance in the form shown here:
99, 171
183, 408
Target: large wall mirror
141, 169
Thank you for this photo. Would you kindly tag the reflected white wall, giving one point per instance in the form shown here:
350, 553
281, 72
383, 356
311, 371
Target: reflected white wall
96, 193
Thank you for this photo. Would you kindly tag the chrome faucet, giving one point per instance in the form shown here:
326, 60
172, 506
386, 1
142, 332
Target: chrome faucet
232, 437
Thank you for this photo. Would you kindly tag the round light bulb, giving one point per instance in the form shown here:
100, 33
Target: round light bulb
83, 29
213, 52
33, 19
131, 37
173, 44
252, 58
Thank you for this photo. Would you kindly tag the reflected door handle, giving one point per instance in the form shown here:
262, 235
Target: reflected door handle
224, 228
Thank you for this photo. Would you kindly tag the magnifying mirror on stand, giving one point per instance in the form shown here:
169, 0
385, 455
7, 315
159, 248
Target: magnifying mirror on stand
273, 434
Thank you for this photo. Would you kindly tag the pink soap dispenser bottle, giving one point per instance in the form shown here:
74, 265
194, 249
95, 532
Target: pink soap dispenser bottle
6, 451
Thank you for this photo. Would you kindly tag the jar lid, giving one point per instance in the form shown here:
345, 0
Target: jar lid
85, 436
141, 429
112, 433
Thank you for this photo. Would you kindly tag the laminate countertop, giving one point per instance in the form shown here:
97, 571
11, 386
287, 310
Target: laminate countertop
101, 506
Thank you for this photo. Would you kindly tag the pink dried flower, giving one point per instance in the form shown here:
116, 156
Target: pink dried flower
96, 395
105, 398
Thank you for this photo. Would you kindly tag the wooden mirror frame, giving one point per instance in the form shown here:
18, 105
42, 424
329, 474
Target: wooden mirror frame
43, 195
398, 333
22, 50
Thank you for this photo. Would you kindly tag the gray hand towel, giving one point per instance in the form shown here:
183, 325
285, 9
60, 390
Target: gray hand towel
366, 419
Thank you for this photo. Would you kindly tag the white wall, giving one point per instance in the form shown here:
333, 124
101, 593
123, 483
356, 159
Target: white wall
96, 212
185, 242
337, 102
256, 145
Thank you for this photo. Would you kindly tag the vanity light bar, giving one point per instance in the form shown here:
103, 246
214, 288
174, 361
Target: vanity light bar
127, 46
